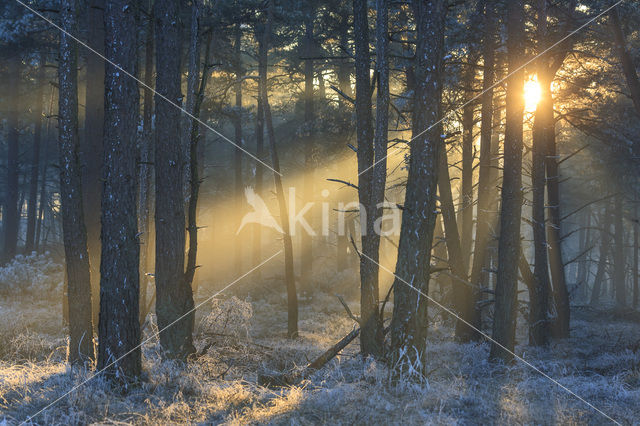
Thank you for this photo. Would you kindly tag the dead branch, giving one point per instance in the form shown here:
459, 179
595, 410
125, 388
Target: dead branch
346, 308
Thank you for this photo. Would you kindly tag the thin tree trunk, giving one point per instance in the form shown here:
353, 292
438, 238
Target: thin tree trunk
174, 299
193, 77
289, 277
343, 73
483, 217
306, 255
605, 242
619, 264
560, 291
409, 322
292, 297
466, 205
585, 241
628, 67
636, 244
92, 147
461, 293
370, 338
10, 216
32, 206
45, 164
194, 181
74, 231
145, 203
504, 322
542, 125
539, 294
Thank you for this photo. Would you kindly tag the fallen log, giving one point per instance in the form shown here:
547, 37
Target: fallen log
282, 380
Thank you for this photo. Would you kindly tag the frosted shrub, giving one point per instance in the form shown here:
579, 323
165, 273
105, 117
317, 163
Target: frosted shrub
34, 273
230, 317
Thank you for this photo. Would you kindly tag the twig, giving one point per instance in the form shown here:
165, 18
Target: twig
346, 308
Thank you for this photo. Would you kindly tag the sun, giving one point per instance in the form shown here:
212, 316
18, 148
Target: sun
532, 93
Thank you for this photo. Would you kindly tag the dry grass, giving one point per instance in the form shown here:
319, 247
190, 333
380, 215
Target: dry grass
600, 362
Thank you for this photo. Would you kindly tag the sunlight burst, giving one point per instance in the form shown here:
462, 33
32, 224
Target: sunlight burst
532, 94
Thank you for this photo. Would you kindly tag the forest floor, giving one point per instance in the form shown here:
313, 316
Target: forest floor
600, 363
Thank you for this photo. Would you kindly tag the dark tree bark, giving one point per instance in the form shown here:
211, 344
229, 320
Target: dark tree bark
409, 322
74, 232
636, 248
289, 277
605, 243
560, 327
371, 335
504, 322
32, 207
119, 330
306, 246
92, 147
193, 78
542, 125
461, 292
483, 217
10, 214
344, 70
619, 261
145, 201
174, 299
194, 169
45, 164
628, 67
548, 66
585, 243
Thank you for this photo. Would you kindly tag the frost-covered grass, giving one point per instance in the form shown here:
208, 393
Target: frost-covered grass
600, 362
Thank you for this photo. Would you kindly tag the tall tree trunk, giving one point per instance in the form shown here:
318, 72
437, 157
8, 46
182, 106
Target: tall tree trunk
237, 155
306, 255
92, 147
10, 214
542, 125
289, 277
119, 329
605, 243
560, 292
483, 217
32, 206
585, 241
343, 74
619, 263
628, 67
504, 322
194, 169
193, 78
409, 322
461, 292
466, 205
145, 202
174, 299
74, 232
370, 336
539, 294
45, 164
636, 246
